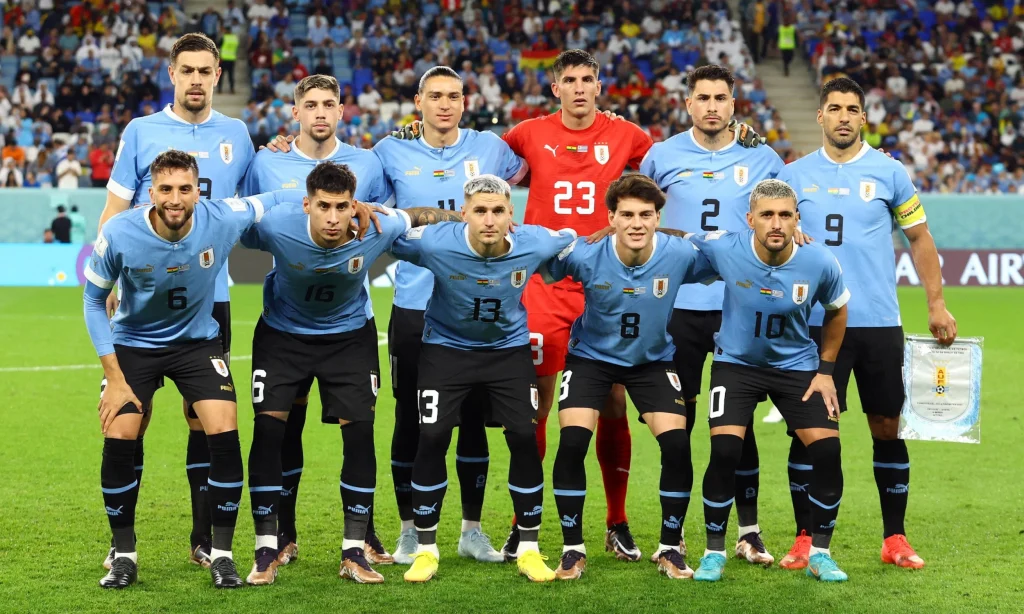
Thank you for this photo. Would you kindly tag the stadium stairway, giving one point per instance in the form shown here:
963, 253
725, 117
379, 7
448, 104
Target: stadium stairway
796, 100
225, 102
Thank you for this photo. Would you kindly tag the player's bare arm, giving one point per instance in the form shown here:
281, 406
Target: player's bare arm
833, 329
941, 323
424, 216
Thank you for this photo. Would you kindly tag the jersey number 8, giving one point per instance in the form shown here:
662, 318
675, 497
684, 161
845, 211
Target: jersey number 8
586, 187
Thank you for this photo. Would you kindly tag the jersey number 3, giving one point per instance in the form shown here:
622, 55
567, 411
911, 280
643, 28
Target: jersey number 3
586, 191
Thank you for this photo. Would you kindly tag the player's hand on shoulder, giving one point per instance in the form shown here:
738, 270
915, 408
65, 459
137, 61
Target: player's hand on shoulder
942, 324
826, 387
115, 395
611, 114
279, 144
600, 234
886, 153
802, 238
746, 135
362, 218
409, 132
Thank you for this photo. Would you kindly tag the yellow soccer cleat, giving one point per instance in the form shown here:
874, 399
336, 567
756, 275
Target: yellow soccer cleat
531, 564
424, 567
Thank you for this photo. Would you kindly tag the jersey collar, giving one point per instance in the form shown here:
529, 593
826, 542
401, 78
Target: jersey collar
765, 264
458, 139
337, 146
702, 148
149, 224
654, 249
508, 237
864, 147
170, 113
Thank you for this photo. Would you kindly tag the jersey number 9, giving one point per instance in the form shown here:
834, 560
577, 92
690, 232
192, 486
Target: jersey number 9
205, 188
834, 223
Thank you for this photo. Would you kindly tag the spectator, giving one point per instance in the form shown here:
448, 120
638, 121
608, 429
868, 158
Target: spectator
228, 54
369, 99
285, 89
12, 151
68, 171
10, 174
318, 30
31, 181
78, 224
47, 235
29, 43
101, 160
61, 226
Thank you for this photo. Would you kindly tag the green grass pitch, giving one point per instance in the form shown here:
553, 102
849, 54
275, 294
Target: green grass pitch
964, 518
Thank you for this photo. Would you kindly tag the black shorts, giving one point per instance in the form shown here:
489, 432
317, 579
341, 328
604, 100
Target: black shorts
222, 314
197, 369
345, 366
875, 357
654, 386
737, 389
505, 377
693, 333
405, 340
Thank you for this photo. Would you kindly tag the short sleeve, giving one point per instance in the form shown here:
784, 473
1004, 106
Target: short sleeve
696, 265
124, 177
103, 267
554, 241
775, 163
242, 213
513, 168
785, 174
563, 265
832, 292
710, 244
248, 156
641, 144
394, 225
251, 180
906, 205
411, 245
648, 166
515, 138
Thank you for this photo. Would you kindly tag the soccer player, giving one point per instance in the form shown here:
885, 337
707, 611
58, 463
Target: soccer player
222, 148
763, 348
476, 337
318, 109
314, 324
167, 257
708, 179
847, 183
629, 285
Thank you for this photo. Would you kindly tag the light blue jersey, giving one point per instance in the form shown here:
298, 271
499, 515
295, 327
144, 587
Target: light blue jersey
425, 176
851, 208
477, 302
275, 171
313, 290
706, 191
627, 310
220, 145
167, 289
766, 310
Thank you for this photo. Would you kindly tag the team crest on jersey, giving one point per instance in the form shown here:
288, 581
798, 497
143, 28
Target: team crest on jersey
472, 168
660, 286
374, 382
220, 366
355, 264
534, 397
206, 257
741, 174
867, 191
601, 154
227, 153
673, 378
800, 292
519, 277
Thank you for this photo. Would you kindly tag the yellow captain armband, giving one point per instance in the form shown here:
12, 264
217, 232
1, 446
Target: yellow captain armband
910, 213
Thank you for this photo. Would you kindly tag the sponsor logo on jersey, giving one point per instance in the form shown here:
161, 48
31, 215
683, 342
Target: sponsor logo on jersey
741, 174
472, 168
206, 258
605, 286
181, 268
414, 172
601, 154
146, 269
325, 270
488, 282
519, 277
673, 378
800, 291
941, 381
577, 148
227, 153
457, 277
772, 293
298, 266
867, 191
444, 174
291, 184
810, 189
660, 286
551, 149
634, 291
745, 284
839, 191
355, 264
220, 366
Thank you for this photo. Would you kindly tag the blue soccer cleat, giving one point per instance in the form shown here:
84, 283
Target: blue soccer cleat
822, 567
711, 567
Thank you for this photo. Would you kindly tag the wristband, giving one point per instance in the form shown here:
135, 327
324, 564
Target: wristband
826, 368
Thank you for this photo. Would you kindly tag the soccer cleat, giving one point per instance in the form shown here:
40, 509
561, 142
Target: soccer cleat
475, 544
673, 565
200, 555
224, 573
123, 573
355, 567
424, 567
511, 546
774, 416
405, 549
287, 549
682, 551
619, 540
572, 565
822, 567
796, 558
264, 569
109, 561
531, 564
897, 551
375, 551
751, 547
711, 566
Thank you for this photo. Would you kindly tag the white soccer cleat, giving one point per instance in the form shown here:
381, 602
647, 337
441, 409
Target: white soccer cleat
774, 416
405, 549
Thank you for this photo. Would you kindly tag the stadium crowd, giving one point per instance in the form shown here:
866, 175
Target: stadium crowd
945, 92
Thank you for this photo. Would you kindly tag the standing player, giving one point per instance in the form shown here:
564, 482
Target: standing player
476, 338
318, 109
167, 257
630, 282
223, 150
763, 348
708, 179
847, 183
314, 324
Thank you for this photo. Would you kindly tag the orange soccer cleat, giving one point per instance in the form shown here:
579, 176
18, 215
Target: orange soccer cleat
797, 556
896, 550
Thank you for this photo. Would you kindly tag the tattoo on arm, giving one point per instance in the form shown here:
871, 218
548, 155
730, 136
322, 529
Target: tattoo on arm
423, 216
672, 231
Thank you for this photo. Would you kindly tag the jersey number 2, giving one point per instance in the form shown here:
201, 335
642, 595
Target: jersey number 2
705, 217
587, 189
